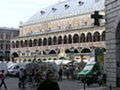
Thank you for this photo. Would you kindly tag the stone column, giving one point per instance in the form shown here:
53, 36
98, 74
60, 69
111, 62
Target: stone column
113, 54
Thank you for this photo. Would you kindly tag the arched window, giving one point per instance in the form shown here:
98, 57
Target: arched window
85, 50
60, 40
35, 42
89, 37
67, 51
65, 40
44, 42
17, 44
69, 39
96, 37
30, 43
49, 41
13, 44
54, 40
52, 52
76, 51
1, 46
21, 43
15, 54
40, 42
76, 38
82, 38
25, 43
103, 36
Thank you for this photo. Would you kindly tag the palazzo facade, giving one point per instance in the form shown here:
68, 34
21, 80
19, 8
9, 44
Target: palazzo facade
6, 34
67, 28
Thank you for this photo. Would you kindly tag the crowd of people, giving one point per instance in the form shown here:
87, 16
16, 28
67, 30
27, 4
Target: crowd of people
46, 75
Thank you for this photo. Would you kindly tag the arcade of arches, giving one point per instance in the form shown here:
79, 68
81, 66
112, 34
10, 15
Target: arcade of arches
57, 40
54, 45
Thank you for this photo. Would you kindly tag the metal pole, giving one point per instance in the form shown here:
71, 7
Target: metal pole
84, 87
110, 87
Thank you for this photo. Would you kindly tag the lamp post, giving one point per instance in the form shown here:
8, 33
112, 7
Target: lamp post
72, 55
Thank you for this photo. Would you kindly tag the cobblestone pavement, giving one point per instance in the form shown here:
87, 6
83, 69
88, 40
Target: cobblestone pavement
64, 85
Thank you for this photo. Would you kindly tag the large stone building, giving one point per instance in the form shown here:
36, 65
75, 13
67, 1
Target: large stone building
71, 26
5, 35
112, 62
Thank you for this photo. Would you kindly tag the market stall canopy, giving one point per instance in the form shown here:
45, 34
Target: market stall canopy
87, 69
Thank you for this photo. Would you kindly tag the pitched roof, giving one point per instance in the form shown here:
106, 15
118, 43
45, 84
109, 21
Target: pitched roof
66, 9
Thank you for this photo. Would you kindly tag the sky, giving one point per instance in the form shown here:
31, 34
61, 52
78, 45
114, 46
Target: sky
12, 12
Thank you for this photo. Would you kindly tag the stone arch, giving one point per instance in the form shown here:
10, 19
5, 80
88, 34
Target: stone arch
44, 41
82, 38
44, 53
86, 50
30, 43
21, 43
15, 54
13, 44
103, 36
35, 42
89, 37
60, 40
17, 44
76, 51
25, 43
65, 41
96, 37
76, 38
52, 52
67, 51
54, 40
40, 42
49, 41
70, 39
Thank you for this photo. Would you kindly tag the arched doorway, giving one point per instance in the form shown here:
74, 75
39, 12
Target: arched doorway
40, 42
89, 37
21, 43
54, 40
67, 51
44, 41
96, 37
82, 38
60, 40
76, 38
17, 44
85, 50
52, 52
65, 41
14, 55
25, 43
30, 43
35, 42
13, 44
49, 41
69, 39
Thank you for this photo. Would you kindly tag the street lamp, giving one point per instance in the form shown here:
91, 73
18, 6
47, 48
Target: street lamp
72, 55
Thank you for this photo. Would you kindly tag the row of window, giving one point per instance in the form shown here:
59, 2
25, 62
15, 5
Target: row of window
76, 38
5, 47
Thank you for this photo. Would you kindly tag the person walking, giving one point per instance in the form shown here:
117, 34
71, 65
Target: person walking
22, 78
2, 77
60, 72
49, 83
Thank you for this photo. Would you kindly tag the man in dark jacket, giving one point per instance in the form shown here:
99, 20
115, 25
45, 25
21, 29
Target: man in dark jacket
60, 74
49, 83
